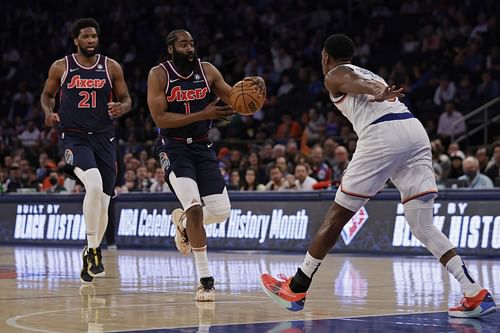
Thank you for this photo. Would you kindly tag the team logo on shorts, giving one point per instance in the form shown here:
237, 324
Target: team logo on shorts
354, 225
68, 156
164, 161
197, 76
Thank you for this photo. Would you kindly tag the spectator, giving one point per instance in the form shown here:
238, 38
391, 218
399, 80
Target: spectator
329, 147
250, 183
473, 177
235, 181
303, 182
30, 137
288, 128
56, 180
320, 170
341, 163
277, 182
445, 92
482, 158
493, 169
451, 122
14, 183
159, 184
488, 89
456, 169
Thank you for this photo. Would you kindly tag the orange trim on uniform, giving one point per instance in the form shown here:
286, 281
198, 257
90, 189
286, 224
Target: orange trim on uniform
419, 195
364, 196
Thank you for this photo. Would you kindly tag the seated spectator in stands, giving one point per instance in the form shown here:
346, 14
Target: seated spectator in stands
292, 151
473, 177
482, 158
493, 169
56, 183
288, 128
329, 147
235, 159
451, 122
14, 182
234, 181
445, 91
303, 182
143, 181
254, 163
341, 163
282, 163
320, 169
315, 127
456, 169
277, 182
30, 137
159, 184
331, 125
454, 149
250, 182
130, 181
488, 89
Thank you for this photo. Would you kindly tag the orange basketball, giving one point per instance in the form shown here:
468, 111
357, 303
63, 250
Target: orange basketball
245, 99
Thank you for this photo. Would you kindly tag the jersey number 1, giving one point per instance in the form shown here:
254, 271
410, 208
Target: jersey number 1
86, 96
187, 107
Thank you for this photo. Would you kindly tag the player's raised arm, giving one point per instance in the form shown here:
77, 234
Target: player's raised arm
342, 80
120, 90
157, 104
47, 98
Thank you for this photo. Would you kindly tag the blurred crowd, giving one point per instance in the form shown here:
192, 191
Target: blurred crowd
444, 53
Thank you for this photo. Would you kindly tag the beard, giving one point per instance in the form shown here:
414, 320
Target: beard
88, 54
183, 63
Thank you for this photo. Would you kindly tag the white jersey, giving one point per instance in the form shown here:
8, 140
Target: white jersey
357, 108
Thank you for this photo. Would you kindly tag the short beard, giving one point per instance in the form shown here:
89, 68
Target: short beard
87, 54
182, 63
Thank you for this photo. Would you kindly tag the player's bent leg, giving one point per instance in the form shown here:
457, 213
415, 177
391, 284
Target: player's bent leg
476, 302
92, 181
291, 292
217, 208
103, 222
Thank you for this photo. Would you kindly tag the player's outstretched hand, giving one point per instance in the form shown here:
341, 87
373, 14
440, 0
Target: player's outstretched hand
218, 112
258, 82
388, 93
115, 110
52, 119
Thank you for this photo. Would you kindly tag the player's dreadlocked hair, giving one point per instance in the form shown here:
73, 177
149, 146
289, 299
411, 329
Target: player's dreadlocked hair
84, 23
339, 46
172, 37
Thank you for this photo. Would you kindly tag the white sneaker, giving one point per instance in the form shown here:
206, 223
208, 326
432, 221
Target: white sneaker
206, 290
181, 240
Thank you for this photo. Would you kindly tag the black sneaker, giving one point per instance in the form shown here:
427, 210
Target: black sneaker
84, 275
205, 291
94, 262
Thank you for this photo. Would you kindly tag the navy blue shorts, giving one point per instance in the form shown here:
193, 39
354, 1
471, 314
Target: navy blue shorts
196, 161
88, 151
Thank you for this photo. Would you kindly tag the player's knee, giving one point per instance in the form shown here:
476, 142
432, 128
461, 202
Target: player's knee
418, 213
220, 211
94, 189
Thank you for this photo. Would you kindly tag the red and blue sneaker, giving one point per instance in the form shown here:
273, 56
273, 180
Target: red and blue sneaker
474, 307
279, 290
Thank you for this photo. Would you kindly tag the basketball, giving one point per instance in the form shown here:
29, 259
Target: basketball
245, 99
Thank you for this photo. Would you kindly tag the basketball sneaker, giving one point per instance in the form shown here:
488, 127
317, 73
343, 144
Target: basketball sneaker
181, 239
474, 307
206, 290
279, 290
85, 278
94, 262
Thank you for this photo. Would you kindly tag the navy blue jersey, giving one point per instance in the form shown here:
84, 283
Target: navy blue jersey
84, 95
187, 94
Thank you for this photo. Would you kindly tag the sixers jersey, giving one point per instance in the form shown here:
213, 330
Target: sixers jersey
185, 95
84, 95
359, 110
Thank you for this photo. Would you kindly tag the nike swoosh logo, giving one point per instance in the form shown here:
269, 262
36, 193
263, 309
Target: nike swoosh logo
73, 69
111, 140
174, 80
210, 144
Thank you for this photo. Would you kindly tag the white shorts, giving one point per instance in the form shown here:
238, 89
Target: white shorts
399, 150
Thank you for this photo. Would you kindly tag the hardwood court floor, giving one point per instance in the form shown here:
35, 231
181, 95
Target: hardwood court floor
154, 291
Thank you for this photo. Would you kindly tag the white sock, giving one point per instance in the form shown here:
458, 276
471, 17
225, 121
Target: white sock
103, 222
457, 268
310, 265
201, 261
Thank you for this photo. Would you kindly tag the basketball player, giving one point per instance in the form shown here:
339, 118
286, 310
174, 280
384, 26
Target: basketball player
181, 102
87, 82
392, 144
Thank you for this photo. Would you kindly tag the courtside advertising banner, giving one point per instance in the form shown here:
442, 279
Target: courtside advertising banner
143, 221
